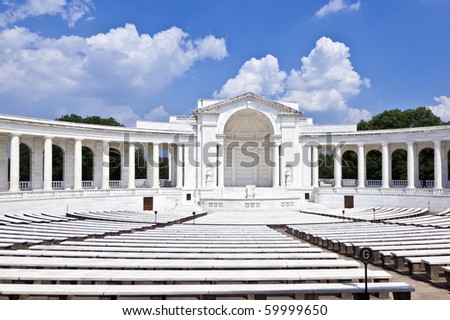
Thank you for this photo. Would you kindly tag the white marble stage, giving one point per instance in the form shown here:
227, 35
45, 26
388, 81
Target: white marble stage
258, 217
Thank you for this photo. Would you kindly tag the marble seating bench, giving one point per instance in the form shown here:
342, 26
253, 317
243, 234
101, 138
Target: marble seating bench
433, 266
184, 264
400, 290
99, 276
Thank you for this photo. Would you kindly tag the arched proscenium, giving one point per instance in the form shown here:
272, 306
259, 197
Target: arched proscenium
249, 131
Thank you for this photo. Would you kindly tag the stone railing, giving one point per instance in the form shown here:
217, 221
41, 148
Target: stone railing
114, 183
399, 183
326, 182
58, 185
389, 191
373, 183
140, 183
25, 185
61, 194
349, 182
87, 184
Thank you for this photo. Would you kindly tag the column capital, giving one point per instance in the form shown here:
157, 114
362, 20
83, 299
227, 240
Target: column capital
437, 142
78, 139
361, 145
384, 144
410, 143
49, 137
15, 134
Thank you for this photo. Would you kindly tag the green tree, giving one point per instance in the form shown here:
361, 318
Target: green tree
326, 166
349, 165
398, 119
25, 163
91, 120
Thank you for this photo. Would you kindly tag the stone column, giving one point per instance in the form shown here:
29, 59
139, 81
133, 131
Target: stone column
385, 165
14, 173
282, 167
48, 168
179, 165
411, 160
173, 164
315, 166
445, 182
149, 178
276, 167
105, 165
220, 166
155, 183
4, 164
361, 166
131, 166
337, 167
78, 165
437, 165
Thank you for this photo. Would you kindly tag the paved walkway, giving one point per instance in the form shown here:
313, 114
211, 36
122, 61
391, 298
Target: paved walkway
424, 289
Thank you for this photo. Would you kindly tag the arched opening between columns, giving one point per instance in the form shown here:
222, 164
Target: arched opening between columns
399, 168
326, 167
373, 168
57, 167
448, 169
164, 162
87, 169
115, 167
349, 168
140, 164
426, 168
24, 167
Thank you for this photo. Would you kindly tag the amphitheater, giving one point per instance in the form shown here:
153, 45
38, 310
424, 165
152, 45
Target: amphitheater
240, 212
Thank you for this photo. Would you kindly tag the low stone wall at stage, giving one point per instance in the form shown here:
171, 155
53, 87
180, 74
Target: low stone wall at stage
435, 203
218, 204
62, 205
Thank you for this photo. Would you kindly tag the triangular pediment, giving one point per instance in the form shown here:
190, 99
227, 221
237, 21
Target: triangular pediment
249, 96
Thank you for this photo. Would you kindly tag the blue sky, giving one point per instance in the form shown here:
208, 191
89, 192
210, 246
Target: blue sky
342, 60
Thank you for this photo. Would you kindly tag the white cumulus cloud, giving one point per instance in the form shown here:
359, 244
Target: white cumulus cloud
326, 79
157, 114
356, 115
69, 10
442, 109
335, 6
112, 68
260, 76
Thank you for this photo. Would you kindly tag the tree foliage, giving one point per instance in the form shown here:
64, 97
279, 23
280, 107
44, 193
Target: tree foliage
91, 120
326, 166
398, 119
